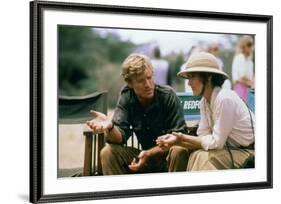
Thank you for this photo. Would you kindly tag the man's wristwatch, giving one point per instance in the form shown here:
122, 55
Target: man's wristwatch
109, 129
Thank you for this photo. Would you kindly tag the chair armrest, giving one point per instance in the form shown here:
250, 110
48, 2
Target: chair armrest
87, 169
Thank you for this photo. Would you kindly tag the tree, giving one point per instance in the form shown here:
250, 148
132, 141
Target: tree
89, 61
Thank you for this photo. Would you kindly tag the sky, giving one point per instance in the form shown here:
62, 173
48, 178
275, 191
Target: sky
168, 41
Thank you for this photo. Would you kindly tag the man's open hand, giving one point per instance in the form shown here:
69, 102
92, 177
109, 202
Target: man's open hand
100, 123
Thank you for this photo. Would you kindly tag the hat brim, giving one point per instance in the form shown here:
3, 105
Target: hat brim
185, 73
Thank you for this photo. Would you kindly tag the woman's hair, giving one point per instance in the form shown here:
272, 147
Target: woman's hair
134, 65
216, 79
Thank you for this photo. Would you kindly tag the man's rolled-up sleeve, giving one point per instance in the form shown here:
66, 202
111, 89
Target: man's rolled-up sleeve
121, 119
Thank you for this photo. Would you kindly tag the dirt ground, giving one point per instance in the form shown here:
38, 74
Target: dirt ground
71, 145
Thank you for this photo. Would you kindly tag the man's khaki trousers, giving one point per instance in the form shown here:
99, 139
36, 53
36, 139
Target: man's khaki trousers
116, 158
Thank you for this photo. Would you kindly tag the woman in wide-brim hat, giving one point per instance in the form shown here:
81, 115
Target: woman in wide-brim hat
226, 128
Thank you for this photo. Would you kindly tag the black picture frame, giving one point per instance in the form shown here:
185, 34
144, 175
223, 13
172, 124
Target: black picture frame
36, 100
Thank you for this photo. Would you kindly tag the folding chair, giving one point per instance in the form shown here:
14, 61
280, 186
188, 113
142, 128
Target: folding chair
75, 110
191, 109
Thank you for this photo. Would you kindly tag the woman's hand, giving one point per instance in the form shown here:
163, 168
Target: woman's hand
188, 141
166, 141
246, 81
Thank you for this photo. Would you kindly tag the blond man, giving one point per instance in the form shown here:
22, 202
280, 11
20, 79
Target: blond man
147, 110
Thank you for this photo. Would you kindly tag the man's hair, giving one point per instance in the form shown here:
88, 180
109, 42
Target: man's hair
216, 79
134, 65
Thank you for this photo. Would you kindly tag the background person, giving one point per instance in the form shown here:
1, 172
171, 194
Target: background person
214, 48
161, 70
243, 67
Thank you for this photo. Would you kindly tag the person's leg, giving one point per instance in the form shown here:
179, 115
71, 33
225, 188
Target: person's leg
177, 159
116, 158
156, 164
218, 159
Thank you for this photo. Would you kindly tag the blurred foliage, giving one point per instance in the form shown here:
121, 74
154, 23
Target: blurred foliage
90, 62
227, 58
227, 55
176, 60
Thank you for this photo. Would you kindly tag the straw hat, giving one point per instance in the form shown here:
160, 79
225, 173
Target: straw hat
201, 62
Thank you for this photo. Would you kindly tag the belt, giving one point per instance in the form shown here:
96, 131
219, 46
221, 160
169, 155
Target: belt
251, 146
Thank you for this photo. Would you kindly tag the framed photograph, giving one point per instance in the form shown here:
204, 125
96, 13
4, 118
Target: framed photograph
77, 60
